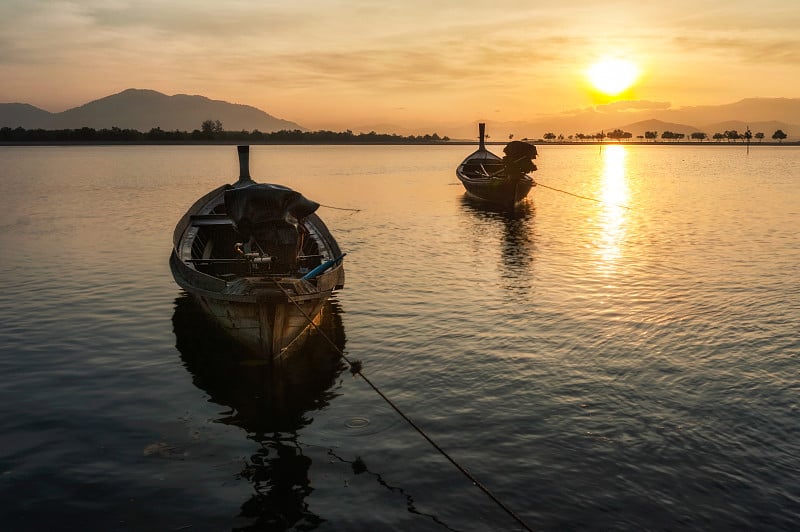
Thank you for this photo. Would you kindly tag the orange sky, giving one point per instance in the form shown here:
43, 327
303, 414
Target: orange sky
340, 64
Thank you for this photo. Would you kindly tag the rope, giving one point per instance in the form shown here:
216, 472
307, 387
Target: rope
355, 368
339, 208
579, 196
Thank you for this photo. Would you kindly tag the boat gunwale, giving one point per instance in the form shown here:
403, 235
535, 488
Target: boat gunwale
181, 270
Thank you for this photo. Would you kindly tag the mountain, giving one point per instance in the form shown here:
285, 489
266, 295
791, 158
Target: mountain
638, 128
747, 110
143, 110
17, 114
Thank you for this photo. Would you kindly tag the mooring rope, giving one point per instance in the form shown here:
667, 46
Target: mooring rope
339, 208
355, 368
538, 184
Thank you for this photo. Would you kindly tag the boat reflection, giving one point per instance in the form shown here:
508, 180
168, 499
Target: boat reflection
516, 238
270, 407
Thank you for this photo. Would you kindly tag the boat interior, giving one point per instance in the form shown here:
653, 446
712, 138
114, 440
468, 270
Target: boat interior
281, 249
482, 168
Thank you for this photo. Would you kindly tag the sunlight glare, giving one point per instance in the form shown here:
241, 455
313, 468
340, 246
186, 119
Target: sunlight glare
612, 76
614, 194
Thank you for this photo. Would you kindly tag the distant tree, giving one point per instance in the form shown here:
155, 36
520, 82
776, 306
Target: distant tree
549, 136
668, 135
211, 128
759, 136
651, 135
616, 134
155, 133
747, 135
718, 136
779, 135
732, 135
697, 135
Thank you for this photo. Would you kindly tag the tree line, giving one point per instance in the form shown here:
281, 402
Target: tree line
210, 130
618, 134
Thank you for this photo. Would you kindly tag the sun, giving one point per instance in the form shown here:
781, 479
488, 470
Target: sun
611, 76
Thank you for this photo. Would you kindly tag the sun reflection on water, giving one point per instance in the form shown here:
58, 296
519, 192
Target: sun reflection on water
614, 193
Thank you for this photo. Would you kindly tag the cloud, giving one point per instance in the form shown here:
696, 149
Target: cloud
745, 47
430, 57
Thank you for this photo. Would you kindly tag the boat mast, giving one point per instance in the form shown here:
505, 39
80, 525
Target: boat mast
482, 132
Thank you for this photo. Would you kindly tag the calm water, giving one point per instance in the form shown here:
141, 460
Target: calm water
595, 366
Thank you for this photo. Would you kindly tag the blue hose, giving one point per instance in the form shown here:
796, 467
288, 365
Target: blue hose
323, 267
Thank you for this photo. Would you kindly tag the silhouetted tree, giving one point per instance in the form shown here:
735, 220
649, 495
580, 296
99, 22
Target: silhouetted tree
732, 135
618, 135
651, 135
211, 129
779, 135
760, 136
697, 135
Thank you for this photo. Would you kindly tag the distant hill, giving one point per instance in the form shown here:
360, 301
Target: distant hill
24, 115
143, 110
748, 110
638, 128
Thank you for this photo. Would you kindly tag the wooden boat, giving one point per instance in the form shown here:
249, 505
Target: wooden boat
259, 261
501, 181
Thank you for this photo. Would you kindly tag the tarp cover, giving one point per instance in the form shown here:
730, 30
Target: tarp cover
269, 215
517, 149
518, 160
266, 204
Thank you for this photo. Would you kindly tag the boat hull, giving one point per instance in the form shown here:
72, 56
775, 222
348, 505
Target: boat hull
272, 327
499, 191
271, 321
483, 177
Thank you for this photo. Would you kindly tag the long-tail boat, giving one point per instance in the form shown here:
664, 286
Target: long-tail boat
501, 181
259, 261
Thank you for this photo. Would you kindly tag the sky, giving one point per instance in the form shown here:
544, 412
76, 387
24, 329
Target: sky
336, 64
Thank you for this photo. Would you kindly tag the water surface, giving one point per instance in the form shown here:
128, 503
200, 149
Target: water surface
627, 363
